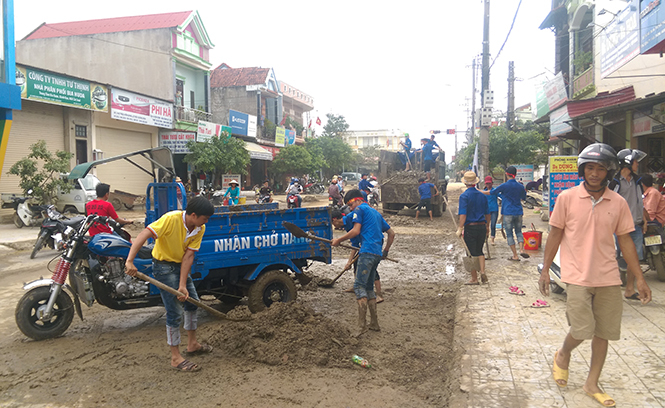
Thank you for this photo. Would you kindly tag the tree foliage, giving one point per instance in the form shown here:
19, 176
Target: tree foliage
508, 147
335, 153
367, 157
335, 126
293, 159
219, 155
292, 123
40, 172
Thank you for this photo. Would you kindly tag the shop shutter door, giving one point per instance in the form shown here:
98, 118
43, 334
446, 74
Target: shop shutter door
34, 122
121, 174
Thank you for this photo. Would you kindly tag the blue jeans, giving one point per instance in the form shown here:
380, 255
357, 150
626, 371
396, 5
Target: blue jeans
495, 216
638, 239
366, 275
513, 223
169, 274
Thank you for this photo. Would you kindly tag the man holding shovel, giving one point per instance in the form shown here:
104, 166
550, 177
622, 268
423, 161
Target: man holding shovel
369, 225
474, 220
177, 235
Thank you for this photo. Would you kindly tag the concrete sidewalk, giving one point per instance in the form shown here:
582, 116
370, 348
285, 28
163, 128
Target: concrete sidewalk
507, 347
9, 234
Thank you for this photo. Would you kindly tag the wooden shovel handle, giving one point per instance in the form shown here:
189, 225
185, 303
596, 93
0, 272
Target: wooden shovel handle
314, 237
174, 292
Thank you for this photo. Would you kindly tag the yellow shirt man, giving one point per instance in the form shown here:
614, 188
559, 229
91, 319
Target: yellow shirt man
175, 237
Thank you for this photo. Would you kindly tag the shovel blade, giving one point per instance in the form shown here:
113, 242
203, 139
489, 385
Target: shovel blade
471, 263
294, 230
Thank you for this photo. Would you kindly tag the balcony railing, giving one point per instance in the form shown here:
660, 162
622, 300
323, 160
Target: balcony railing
583, 83
185, 114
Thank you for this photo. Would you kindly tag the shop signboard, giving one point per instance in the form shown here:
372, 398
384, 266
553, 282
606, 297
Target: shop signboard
280, 135
136, 108
650, 122
563, 175
559, 122
63, 90
242, 124
620, 41
652, 14
290, 136
206, 130
524, 172
226, 179
176, 141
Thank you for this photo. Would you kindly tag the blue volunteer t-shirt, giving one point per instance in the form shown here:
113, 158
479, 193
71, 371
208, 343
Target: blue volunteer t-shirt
492, 202
474, 205
407, 142
372, 228
512, 194
348, 226
363, 185
427, 151
425, 190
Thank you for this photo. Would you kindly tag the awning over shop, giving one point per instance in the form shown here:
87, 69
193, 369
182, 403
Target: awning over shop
258, 152
555, 16
601, 101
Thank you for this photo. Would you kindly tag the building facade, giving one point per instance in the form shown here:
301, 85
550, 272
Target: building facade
10, 93
386, 139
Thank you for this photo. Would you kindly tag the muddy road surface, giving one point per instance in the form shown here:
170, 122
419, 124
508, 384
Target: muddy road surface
296, 354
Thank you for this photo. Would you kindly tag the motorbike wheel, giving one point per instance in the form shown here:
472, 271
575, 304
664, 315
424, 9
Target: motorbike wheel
31, 326
659, 263
18, 222
554, 288
38, 244
270, 287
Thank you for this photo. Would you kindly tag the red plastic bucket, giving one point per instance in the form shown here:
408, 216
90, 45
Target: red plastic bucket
532, 240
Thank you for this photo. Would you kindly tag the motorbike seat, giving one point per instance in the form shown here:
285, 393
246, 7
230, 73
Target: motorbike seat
37, 208
145, 253
72, 222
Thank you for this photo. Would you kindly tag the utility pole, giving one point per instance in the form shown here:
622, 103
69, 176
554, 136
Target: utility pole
510, 116
472, 129
486, 119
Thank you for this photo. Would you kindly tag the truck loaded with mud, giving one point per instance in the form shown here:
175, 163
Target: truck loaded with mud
399, 187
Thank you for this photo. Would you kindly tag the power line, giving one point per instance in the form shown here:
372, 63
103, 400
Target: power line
507, 35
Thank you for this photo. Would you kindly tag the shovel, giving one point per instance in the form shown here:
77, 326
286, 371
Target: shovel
195, 302
328, 283
297, 232
471, 263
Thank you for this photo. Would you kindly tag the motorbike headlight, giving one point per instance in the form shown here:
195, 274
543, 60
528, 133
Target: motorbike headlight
58, 241
69, 231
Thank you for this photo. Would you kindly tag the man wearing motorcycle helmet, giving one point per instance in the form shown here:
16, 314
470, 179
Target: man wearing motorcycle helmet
627, 184
584, 220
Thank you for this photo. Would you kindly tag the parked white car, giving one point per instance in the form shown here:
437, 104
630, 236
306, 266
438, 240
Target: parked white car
82, 191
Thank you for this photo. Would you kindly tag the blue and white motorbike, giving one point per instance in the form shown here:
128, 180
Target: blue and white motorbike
95, 267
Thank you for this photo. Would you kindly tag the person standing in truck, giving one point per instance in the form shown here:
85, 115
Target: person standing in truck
178, 236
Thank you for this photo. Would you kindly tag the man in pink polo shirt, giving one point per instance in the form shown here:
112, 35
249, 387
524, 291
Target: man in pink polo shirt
582, 225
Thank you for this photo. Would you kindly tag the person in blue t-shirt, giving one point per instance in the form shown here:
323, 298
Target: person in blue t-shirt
512, 194
364, 186
407, 151
341, 221
492, 202
425, 191
474, 219
369, 225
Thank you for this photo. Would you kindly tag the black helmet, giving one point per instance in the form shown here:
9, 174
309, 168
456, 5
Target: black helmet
598, 153
627, 156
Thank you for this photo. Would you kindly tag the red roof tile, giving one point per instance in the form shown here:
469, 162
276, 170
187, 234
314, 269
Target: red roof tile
109, 25
225, 76
602, 100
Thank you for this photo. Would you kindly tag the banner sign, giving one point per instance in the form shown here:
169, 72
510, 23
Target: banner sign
559, 122
136, 108
280, 135
652, 14
176, 141
290, 136
226, 179
524, 173
563, 175
649, 122
620, 41
207, 130
55, 89
242, 123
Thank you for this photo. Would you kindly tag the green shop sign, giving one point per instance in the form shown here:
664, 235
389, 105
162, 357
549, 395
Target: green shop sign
61, 90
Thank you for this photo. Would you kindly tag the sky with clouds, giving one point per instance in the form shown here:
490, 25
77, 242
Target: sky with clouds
382, 65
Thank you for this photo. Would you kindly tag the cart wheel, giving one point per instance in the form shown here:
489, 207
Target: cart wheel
129, 206
270, 287
117, 204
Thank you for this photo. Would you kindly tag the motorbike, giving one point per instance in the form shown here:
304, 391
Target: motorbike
654, 250
95, 267
26, 214
292, 201
52, 224
556, 285
373, 197
263, 198
313, 187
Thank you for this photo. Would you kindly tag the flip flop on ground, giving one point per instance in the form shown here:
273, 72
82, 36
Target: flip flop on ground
187, 366
204, 349
634, 296
560, 375
602, 398
539, 304
514, 290
514, 260
473, 283
525, 255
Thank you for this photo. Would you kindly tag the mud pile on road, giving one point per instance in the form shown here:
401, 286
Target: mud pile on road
286, 334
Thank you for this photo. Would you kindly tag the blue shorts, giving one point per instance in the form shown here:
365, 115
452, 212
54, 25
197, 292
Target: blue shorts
366, 275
